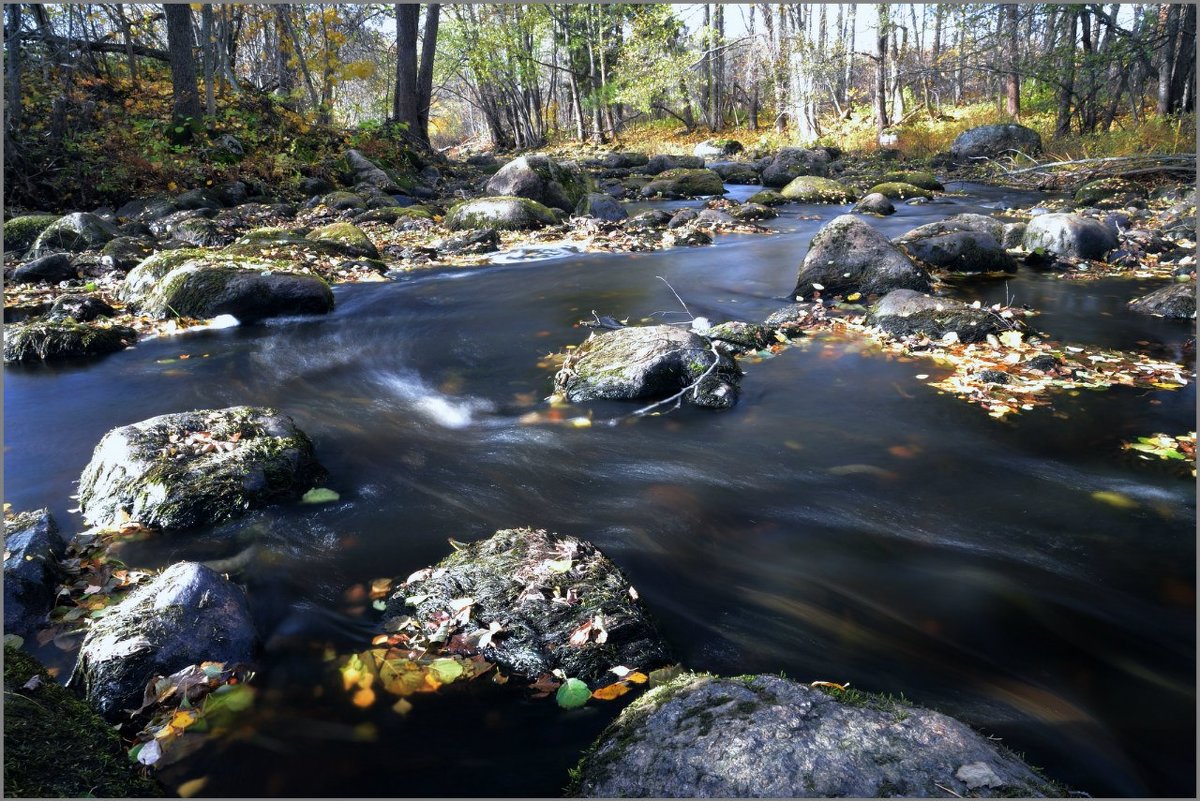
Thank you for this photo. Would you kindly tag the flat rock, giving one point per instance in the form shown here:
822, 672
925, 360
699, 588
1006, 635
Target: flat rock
514, 578
961, 252
49, 269
46, 340
187, 615
161, 471
765, 736
815, 189
903, 313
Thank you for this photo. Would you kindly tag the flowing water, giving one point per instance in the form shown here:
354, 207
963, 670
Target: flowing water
844, 522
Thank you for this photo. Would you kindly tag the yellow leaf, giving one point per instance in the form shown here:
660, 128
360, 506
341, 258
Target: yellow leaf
191, 787
637, 677
1011, 339
402, 707
611, 691
182, 719
1115, 499
364, 698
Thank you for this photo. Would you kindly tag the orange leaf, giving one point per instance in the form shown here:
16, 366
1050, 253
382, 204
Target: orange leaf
637, 677
364, 698
611, 691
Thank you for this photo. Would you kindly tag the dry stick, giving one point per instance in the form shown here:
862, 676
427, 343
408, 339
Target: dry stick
947, 789
676, 294
1107, 160
678, 396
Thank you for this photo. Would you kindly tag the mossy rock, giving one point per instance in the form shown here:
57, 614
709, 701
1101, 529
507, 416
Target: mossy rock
280, 244
815, 189
502, 213
142, 278
134, 475
126, 252
55, 746
74, 232
1095, 192
540, 178
920, 179
45, 340
341, 201
905, 313
767, 197
21, 232
391, 214
349, 236
250, 290
684, 182
898, 190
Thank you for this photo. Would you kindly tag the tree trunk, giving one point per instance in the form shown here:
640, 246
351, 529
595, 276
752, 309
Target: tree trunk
12, 72
1066, 81
283, 73
208, 52
433, 13
1012, 88
404, 105
1168, 17
1183, 71
185, 100
881, 45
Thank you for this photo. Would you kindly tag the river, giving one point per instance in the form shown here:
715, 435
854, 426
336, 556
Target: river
844, 522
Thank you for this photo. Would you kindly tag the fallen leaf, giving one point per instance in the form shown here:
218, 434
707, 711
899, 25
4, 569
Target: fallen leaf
573, 694
611, 692
191, 787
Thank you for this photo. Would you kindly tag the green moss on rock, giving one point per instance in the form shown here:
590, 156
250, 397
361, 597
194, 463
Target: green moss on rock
503, 213
815, 189
352, 240
897, 190
56, 747
42, 339
917, 178
21, 232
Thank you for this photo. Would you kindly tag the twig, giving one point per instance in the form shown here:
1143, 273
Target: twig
676, 294
678, 396
1106, 160
947, 789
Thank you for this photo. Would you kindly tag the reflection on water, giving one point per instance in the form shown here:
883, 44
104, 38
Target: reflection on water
845, 522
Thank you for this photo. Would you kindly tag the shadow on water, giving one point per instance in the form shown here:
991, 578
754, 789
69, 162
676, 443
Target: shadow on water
844, 522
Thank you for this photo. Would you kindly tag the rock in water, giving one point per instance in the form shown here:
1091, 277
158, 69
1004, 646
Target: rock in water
903, 313
46, 270
1176, 300
519, 578
602, 207
647, 363
848, 255
187, 615
764, 736
815, 189
683, 182
33, 547
792, 162
501, 213
874, 203
250, 290
995, 140
179, 471
1070, 236
541, 179
42, 339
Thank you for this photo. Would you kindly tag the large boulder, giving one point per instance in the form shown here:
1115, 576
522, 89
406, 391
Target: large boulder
848, 255
624, 160
683, 182
350, 237
766, 736
996, 140
364, 171
967, 243
736, 172
1176, 300
187, 615
815, 189
45, 340
80, 308
792, 162
663, 162
1109, 192
126, 252
248, 289
140, 280
501, 213
649, 363
74, 232
190, 469
895, 190
601, 206
767, 197
874, 203
717, 148
48, 269
980, 223
925, 180
1069, 236
33, 547
518, 579
55, 746
542, 179
904, 313
21, 232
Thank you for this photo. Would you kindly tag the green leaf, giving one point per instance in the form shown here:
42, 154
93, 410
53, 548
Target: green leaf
446, 670
319, 495
15, 640
558, 565
573, 694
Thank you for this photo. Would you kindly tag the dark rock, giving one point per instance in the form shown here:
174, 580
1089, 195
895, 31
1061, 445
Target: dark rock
482, 240
960, 251
713, 218
340, 201
996, 140
543, 180
142, 278
514, 579
504, 213
1109, 193
165, 226
1069, 236
899, 191
187, 615
690, 237
792, 316
56, 747
792, 162
198, 199
625, 160
199, 232
848, 256
44, 340
682, 182
980, 223
80, 308
74, 232
924, 180
21, 232
994, 376
903, 313
874, 203
483, 160
767, 197
738, 337
46, 270
602, 207
1012, 235
146, 210
232, 193
750, 212
229, 147
765, 736
126, 252
1173, 300
1045, 362
33, 548
279, 246
648, 220
648, 362
815, 189
682, 218
717, 148
250, 290
364, 171
663, 162
19, 312
134, 230
735, 172
392, 214
134, 473
315, 185
255, 215
349, 237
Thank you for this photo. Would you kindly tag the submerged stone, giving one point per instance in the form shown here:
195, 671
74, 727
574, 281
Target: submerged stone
765, 736
190, 469
518, 578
